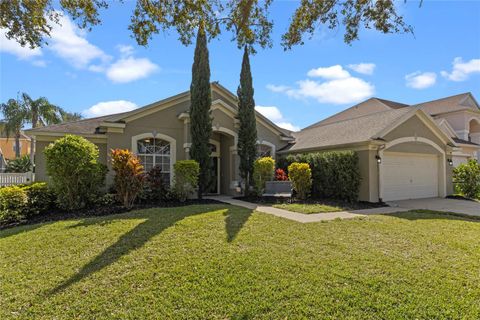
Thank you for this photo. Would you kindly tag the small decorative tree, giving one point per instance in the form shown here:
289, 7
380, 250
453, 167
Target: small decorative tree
156, 184
76, 175
301, 177
280, 175
467, 178
129, 176
186, 178
263, 169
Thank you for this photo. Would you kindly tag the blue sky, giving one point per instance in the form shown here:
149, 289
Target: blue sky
105, 71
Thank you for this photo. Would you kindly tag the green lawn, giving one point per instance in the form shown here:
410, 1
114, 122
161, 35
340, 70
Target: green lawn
224, 262
308, 207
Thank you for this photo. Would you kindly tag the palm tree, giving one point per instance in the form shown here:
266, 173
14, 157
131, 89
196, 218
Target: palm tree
40, 112
15, 116
70, 116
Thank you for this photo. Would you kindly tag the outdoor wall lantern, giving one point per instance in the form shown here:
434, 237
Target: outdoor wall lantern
450, 162
379, 159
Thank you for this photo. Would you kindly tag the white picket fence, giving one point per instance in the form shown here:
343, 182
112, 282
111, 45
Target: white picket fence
10, 179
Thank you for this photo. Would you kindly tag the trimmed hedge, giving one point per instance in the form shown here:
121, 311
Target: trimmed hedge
335, 174
263, 170
186, 178
301, 177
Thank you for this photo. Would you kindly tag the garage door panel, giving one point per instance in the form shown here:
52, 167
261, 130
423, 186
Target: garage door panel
409, 176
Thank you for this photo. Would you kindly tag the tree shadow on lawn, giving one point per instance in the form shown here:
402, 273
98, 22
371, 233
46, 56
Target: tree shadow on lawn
234, 222
154, 224
421, 214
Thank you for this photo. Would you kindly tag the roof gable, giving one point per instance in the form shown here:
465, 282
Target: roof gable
463, 101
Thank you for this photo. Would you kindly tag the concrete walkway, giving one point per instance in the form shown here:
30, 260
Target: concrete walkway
305, 218
440, 204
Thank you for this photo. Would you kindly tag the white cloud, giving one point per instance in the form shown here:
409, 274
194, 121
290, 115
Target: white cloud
363, 68
340, 87
421, 80
461, 70
333, 72
23, 53
70, 43
109, 107
130, 69
275, 88
274, 114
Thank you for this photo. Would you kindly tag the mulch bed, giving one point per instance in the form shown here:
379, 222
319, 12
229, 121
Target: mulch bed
58, 214
356, 205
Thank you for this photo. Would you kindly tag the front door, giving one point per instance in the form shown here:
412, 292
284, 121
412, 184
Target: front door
214, 183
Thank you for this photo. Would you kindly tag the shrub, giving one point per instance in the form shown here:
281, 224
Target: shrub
40, 198
263, 169
467, 178
19, 165
301, 177
129, 176
335, 174
186, 178
107, 200
13, 201
157, 188
76, 175
280, 175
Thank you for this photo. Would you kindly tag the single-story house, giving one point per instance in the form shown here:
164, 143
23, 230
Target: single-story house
404, 153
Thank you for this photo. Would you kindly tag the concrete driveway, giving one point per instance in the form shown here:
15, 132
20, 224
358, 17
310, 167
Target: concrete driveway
440, 204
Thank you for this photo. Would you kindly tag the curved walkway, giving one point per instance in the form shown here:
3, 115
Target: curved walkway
305, 218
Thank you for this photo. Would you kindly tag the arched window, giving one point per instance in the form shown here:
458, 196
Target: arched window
155, 152
265, 149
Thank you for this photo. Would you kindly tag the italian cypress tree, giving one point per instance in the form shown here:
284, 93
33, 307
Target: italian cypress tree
200, 118
247, 133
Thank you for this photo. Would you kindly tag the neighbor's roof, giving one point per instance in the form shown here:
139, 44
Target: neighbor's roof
463, 101
12, 135
351, 131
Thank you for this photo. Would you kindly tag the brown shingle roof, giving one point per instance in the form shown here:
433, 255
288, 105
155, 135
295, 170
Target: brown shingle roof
349, 131
448, 104
84, 126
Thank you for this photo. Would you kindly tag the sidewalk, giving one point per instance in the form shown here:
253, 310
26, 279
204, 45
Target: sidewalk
305, 218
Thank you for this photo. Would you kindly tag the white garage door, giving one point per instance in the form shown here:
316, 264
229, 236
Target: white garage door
409, 176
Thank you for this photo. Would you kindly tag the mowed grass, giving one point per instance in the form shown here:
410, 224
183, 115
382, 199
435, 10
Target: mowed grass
308, 208
224, 262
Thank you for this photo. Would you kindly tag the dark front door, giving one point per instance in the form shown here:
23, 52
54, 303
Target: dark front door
213, 183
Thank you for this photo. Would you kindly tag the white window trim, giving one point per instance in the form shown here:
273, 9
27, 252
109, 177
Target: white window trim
173, 147
269, 144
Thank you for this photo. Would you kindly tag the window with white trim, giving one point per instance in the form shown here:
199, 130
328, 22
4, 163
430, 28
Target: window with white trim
155, 152
263, 150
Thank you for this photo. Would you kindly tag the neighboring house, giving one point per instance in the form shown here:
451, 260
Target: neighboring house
7, 145
403, 152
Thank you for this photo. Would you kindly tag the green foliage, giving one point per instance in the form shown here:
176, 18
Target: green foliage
13, 201
76, 175
335, 174
186, 178
15, 116
40, 198
247, 20
19, 165
301, 177
200, 117
107, 200
467, 178
247, 132
129, 176
263, 170
157, 187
